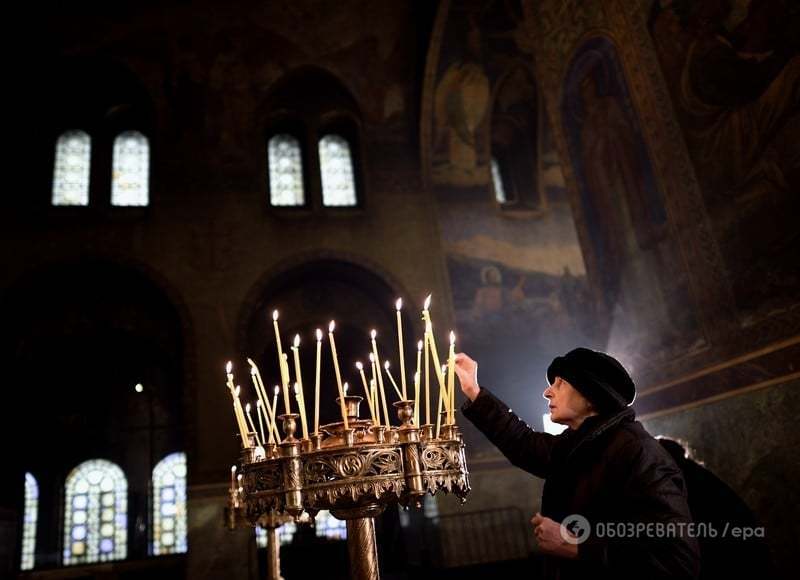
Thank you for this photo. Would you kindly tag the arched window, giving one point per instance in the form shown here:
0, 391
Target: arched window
29, 522
336, 166
131, 170
96, 513
169, 505
497, 182
325, 524
71, 172
285, 171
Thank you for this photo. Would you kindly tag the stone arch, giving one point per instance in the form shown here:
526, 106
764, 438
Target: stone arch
80, 333
309, 291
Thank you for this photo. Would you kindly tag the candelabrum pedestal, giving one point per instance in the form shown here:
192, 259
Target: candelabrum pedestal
353, 471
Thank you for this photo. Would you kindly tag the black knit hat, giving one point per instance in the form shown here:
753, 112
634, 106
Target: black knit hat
598, 376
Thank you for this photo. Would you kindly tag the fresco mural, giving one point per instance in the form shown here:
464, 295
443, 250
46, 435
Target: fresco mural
733, 69
518, 278
645, 296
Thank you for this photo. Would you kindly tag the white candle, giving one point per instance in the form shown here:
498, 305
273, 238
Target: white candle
391, 378
451, 380
316, 382
367, 392
252, 425
259, 413
298, 394
373, 334
343, 409
417, 376
398, 305
282, 364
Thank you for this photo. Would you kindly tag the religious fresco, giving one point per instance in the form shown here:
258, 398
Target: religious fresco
517, 275
645, 296
734, 75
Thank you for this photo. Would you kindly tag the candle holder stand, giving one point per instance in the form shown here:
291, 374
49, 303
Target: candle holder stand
353, 472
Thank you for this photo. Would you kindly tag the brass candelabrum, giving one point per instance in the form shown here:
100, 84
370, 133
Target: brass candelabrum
353, 472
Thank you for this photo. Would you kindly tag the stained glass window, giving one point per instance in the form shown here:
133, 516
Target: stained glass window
96, 513
336, 165
71, 172
326, 526
285, 171
131, 172
169, 505
497, 183
29, 522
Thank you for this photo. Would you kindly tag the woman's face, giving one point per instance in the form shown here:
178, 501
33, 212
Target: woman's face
567, 406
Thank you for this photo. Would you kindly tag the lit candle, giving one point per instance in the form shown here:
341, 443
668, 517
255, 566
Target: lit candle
367, 392
442, 404
346, 388
282, 364
259, 413
451, 379
233, 478
377, 360
298, 394
398, 305
237, 407
316, 382
417, 376
343, 409
298, 390
426, 315
252, 425
258, 384
391, 378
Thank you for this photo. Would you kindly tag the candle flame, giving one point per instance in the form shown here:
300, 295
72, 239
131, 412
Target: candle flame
444, 369
258, 403
359, 366
319, 334
296, 340
346, 386
427, 302
331, 326
373, 333
386, 365
399, 304
253, 371
274, 315
371, 357
419, 345
247, 408
233, 469
452, 337
416, 377
296, 389
229, 367
239, 477
276, 390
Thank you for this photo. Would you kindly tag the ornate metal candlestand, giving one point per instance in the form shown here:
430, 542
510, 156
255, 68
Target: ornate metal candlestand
355, 473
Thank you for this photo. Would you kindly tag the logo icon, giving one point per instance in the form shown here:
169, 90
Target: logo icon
575, 529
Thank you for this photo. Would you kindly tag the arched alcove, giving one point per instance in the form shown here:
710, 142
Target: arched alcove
77, 339
308, 296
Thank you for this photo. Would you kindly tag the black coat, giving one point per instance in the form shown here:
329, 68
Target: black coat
609, 470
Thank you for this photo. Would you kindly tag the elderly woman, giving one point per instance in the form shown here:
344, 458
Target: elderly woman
604, 473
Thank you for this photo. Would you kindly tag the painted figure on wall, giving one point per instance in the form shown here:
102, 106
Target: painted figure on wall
734, 72
637, 263
461, 105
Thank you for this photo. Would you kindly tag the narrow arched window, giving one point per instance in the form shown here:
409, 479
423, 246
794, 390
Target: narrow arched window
71, 171
285, 171
29, 522
169, 505
497, 183
131, 170
96, 513
336, 166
